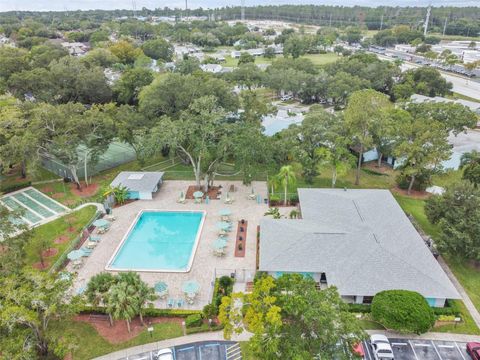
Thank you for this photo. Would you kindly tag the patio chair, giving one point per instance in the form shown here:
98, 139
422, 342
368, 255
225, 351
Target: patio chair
170, 303
228, 200
110, 217
94, 238
77, 264
182, 199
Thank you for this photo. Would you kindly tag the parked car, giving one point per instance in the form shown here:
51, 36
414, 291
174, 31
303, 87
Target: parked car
381, 347
286, 97
164, 354
473, 349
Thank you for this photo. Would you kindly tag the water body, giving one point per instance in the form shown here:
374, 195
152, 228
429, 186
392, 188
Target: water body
61, 5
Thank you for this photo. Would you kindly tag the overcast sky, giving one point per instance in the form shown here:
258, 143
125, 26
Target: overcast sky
60, 5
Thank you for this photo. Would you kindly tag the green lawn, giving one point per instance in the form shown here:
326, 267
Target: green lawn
52, 230
467, 326
90, 344
322, 59
462, 97
469, 277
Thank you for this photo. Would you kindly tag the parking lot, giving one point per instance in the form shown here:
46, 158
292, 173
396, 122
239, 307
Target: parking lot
405, 349
205, 350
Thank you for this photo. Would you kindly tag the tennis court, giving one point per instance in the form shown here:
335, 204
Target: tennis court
36, 207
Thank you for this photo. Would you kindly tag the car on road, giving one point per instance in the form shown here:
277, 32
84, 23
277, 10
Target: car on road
164, 354
473, 349
381, 347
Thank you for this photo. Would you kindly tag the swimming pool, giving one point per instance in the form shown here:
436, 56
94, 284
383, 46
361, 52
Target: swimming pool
159, 241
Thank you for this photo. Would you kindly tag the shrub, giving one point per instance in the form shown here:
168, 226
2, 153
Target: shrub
359, 308
210, 311
449, 318
274, 200
193, 320
402, 310
422, 181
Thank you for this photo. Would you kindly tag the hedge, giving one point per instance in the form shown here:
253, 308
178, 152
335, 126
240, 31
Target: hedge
193, 320
403, 311
359, 308
7, 188
148, 312
204, 328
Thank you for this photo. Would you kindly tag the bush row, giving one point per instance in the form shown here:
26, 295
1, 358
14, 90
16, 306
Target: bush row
204, 328
451, 308
149, 312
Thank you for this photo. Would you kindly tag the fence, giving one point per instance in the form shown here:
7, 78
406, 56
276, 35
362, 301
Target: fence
116, 154
58, 264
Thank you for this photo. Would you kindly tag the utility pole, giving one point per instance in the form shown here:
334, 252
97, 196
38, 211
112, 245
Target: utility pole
427, 20
381, 23
445, 26
330, 21
243, 10
134, 8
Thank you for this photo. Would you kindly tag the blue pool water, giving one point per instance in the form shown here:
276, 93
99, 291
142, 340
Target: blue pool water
159, 240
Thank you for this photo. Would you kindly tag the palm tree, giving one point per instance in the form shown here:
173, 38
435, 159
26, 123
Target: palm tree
98, 288
470, 163
286, 176
122, 303
144, 294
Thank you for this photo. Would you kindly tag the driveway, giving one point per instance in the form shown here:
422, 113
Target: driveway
405, 349
202, 350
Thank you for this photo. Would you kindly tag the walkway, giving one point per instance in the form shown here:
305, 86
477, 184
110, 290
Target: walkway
465, 298
99, 206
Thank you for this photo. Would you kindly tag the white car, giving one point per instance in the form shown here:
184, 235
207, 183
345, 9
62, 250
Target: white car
286, 97
164, 354
381, 347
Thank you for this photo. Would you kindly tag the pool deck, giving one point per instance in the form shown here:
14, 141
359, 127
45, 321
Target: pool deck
205, 264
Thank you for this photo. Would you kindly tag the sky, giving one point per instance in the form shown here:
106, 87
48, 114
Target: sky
60, 5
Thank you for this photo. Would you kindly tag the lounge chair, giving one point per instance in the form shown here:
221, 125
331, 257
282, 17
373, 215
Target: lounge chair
170, 303
182, 199
94, 238
110, 217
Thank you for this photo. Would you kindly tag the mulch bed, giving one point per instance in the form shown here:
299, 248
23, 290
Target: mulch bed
414, 194
84, 191
383, 169
61, 239
57, 195
50, 252
241, 239
39, 265
214, 192
47, 189
117, 205
118, 333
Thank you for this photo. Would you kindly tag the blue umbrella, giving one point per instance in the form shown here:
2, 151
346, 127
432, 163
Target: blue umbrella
160, 287
75, 254
225, 212
197, 194
191, 287
223, 225
101, 223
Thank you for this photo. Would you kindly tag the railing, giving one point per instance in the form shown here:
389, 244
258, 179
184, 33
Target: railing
57, 264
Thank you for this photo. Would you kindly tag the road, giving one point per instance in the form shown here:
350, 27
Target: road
461, 85
405, 349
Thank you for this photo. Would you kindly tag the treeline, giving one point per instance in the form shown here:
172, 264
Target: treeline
462, 21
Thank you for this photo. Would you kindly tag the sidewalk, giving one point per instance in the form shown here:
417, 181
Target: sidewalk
465, 298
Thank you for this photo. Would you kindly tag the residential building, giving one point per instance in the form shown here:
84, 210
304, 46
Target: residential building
140, 185
357, 240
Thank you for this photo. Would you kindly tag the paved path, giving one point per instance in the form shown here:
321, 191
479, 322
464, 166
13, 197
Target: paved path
99, 206
465, 298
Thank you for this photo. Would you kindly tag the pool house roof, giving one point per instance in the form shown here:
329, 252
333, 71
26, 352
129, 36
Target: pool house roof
141, 181
361, 239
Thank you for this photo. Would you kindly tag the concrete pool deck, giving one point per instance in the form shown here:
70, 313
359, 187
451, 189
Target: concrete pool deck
205, 264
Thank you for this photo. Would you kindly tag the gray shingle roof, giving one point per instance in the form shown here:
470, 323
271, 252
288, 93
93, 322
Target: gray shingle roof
138, 180
361, 239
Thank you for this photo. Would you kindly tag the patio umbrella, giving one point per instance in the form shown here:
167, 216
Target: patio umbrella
223, 225
161, 287
225, 212
101, 223
75, 255
197, 194
220, 243
191, 287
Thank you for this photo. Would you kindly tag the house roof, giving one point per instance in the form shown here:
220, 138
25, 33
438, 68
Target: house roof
138, 180
361, 239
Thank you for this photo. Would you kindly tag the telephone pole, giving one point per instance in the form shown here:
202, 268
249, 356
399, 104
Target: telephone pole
427, 20
381, 23
445, 26
243, 11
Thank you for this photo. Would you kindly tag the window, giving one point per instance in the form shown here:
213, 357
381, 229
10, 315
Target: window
367, 299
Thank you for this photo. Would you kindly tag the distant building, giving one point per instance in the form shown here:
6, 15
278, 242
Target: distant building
76, 48
405, 48
212, 68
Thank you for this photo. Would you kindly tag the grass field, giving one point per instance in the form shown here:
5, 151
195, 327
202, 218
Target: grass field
89, 344
52, 230
322, 59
